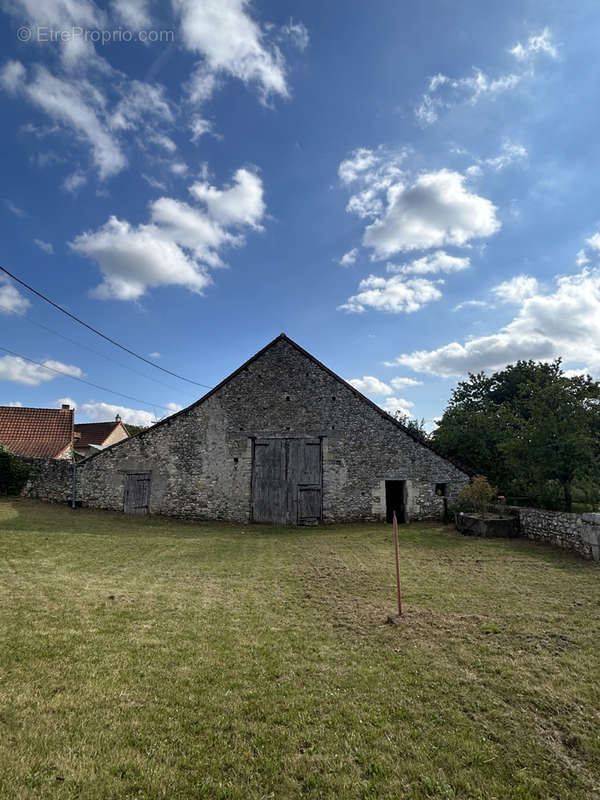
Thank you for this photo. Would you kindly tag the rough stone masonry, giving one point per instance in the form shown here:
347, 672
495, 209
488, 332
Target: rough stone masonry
282, 432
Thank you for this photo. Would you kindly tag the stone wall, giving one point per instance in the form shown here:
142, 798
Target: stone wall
49, 479
579, 533
200, 459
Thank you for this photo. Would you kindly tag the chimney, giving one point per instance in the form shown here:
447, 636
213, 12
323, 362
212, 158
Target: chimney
65, 407
118, 418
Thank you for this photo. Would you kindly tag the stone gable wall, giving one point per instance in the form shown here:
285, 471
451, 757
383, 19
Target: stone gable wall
201, 460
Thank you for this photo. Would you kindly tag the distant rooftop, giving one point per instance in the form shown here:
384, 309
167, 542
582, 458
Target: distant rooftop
36, 432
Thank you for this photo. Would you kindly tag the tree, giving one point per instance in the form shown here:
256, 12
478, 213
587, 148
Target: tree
13, 472
478, 494
415, 426
133, 429
528, 427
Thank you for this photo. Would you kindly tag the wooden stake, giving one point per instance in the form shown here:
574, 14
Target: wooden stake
397, 565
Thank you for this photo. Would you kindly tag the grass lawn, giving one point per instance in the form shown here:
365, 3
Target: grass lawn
150, 658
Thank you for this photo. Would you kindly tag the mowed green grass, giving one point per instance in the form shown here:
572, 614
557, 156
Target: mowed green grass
151, 658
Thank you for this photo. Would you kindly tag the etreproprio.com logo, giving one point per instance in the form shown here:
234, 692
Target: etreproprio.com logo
95, 36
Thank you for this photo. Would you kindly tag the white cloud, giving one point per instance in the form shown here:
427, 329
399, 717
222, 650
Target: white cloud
563, 322
179, 168
73, 182
132, 259
361, 162
154, 182
373, 172
436, 262
538, 43
510, 153
394, 294
471, 304
405, 383
178, 244
394, 404
103, 412
79, 106
163, 141
141, 100
133, 14
154, 355
202, 85
15, 209
241, 203
434, 211
199, 127
11, 299
45, 246
12, 76
594, 241
14, 404
59, 15
14, 368
370, 385
297, 33
231, 43
349, 258
516, 290
445, 92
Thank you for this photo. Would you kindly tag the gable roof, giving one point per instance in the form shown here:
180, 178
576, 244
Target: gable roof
95, 432
255, 357
36, 432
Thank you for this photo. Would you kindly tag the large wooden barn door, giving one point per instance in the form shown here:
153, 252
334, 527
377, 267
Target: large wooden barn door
286, 481
137, 493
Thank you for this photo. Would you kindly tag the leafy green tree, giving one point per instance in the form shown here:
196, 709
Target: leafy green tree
532, 429
133, 429
13, 472
478, 494
415, 426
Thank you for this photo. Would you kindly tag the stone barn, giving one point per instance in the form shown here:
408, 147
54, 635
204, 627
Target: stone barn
282, 440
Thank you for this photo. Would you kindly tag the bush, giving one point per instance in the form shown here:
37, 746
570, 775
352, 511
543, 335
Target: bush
13, 473
478, 494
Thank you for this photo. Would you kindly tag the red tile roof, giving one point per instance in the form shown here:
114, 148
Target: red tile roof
37, 432
94, 432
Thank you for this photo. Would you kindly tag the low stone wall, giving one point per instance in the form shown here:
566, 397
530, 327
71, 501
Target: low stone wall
579, 533
49, 479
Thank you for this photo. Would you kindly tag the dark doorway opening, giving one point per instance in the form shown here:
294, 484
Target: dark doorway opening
395, 500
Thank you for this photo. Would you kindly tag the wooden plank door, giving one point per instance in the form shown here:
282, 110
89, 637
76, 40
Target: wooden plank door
137, 493
286, 481
304, 469
269, 486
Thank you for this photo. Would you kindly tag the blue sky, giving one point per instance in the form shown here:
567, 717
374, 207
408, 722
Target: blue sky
409, 190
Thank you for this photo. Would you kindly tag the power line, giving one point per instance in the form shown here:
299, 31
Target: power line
91, 350
82, 380
99, 333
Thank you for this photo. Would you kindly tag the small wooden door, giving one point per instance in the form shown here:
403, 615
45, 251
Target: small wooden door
137, 493
286, 481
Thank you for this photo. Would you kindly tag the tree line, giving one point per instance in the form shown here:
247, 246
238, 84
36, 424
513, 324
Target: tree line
531, 429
